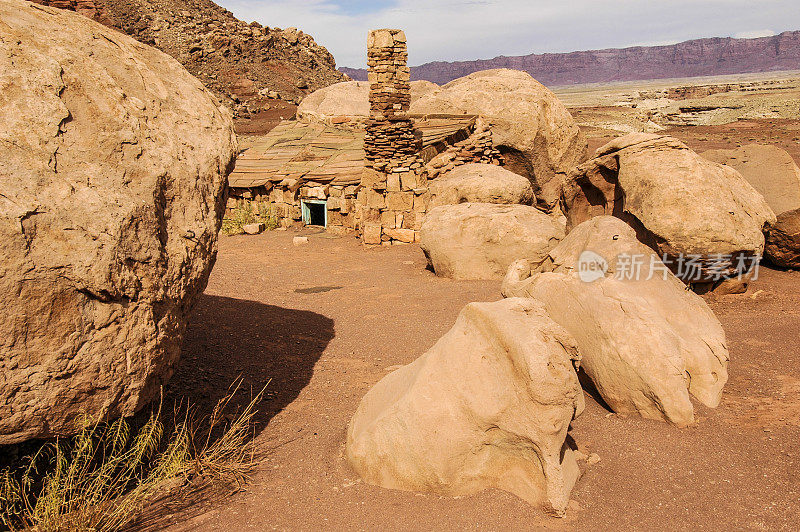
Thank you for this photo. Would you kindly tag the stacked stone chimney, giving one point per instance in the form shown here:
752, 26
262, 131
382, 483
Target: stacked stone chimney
390, 140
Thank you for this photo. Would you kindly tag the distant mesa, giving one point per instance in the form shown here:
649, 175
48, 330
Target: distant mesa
699, 57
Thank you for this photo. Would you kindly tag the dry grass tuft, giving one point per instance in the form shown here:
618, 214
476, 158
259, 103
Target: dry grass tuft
245, 214
102, 478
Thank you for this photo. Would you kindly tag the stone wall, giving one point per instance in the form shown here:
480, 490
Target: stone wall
393, 193
390, 140
478, 148
388, 204
284, 203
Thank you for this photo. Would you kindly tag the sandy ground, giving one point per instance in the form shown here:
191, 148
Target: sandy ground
327, 320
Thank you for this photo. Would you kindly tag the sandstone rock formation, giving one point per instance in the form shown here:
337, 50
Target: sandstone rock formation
480, 183
698, 57
347, 100
488, 406
783, 240
530, 126
645, 340
771, 171
480, 240
420, 88
247, 66
113, 164
679, 203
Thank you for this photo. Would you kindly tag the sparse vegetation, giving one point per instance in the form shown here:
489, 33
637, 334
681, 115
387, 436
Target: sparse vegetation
245, 214
101, 478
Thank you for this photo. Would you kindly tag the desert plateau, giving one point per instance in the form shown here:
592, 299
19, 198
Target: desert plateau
245, 289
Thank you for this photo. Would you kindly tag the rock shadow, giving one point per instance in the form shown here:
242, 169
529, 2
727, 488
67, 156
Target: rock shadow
228, 339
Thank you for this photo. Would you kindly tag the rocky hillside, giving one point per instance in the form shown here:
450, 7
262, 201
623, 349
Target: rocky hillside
250, 67
701, 57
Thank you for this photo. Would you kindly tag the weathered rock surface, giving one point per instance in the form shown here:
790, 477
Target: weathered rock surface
488, 406
480, 240
480, 183
783, 240
113, 163
347, 99
530, 126
678, 202
645, 340
247, 66
771, 171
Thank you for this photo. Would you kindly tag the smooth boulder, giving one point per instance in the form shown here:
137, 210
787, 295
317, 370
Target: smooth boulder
113, 167
531, 127
770, 169
480, 183
488, 406
647, 343
347, 101
480, 240
783, 240
680, 204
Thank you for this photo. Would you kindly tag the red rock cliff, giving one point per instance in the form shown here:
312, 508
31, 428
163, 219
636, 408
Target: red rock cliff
701, 57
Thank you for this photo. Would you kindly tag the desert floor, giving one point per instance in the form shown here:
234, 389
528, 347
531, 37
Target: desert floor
326, 320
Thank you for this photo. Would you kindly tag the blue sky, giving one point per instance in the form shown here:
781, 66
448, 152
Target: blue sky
449, 30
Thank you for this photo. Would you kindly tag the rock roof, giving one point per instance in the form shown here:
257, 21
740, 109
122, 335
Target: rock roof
296, 152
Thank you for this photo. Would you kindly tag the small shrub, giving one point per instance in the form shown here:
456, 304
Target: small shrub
244, 214
101, 478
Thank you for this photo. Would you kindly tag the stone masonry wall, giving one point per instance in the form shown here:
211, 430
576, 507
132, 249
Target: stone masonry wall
390, 140
394, 186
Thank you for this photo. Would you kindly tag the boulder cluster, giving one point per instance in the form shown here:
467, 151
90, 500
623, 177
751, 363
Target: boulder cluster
594, 256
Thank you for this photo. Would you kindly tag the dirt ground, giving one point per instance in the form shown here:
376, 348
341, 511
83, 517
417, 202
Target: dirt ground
327, 320
323, 322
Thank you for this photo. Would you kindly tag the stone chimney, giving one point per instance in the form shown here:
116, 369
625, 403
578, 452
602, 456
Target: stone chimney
390, 141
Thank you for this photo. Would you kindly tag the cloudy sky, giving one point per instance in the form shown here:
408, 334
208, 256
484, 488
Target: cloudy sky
452, 30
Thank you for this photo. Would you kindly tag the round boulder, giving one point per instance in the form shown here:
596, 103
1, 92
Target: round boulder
113, 165
480, 183
530, 126
488, 406
348, 99
480, 240
683, 206
347, 102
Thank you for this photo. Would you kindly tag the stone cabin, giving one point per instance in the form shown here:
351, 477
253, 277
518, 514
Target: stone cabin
371, 176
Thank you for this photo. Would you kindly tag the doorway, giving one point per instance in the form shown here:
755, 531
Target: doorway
315, 212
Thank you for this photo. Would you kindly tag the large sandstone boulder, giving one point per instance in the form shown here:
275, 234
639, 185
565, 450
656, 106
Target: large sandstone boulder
480, 240
488, 406
680, 204
771, 171
783, 240
646, 342
347, 101
480, 183
530, 126
113, 164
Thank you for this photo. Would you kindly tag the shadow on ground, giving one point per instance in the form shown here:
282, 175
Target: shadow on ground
231, 338
228, 339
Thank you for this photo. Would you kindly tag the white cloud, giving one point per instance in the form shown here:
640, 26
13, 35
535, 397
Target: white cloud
478, 29
754, 34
